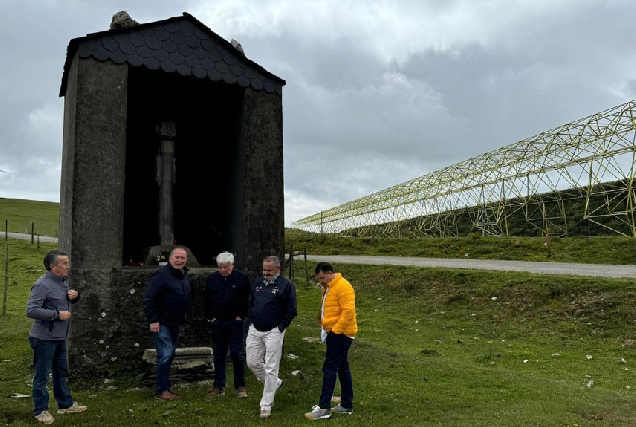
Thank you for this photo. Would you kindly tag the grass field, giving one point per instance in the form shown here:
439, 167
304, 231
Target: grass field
435, 348
592, 250
21, 215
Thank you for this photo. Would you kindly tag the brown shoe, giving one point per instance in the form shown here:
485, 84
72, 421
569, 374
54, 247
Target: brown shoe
166, 395
240, 393
216, 392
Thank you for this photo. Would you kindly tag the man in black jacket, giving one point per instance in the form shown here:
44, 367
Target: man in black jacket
271, 309
226, 293
165, 304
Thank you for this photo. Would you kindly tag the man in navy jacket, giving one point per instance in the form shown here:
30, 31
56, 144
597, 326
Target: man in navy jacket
226, 293
165, 304
271, 309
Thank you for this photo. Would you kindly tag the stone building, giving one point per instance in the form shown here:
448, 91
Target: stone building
171, 136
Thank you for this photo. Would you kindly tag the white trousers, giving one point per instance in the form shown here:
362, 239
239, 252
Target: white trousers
263, 351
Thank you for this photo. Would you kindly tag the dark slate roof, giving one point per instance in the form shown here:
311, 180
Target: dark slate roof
181, 45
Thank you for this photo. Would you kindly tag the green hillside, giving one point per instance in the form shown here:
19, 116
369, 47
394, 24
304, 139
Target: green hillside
21, 214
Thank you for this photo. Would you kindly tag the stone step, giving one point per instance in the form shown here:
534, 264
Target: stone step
183, 356
190, 364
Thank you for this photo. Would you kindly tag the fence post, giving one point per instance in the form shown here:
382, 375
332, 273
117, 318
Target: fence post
291, 261
32, 230
6, 268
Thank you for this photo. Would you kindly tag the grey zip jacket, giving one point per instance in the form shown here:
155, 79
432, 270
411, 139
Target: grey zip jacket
49, 296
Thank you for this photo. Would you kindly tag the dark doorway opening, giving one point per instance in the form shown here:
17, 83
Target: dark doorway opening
209, 157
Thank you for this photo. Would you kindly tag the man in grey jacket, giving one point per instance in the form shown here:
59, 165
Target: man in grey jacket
50, 306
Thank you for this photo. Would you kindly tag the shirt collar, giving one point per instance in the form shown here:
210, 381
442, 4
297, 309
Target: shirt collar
267, 282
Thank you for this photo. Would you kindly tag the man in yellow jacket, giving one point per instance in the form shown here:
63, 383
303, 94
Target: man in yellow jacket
339, 328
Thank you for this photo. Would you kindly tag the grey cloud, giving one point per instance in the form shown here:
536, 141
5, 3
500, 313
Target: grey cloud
377, 93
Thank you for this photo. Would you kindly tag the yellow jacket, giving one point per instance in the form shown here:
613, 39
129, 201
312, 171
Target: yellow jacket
340, 307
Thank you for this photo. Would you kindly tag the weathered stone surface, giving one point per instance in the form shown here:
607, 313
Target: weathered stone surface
122, 20
192, 366
93, 165
237, 46
183, 356
109, 333
264, 234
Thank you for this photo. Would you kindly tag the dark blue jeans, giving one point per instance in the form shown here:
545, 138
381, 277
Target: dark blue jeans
228, 333
49, 356
337, 365
166, 345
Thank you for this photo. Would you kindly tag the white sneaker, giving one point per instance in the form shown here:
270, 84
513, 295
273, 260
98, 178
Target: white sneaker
341, 410
45, 417
318, 414
73, 408
266, 411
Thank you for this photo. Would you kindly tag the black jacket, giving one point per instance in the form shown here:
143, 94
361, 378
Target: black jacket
167, 296
272, 304
226, 297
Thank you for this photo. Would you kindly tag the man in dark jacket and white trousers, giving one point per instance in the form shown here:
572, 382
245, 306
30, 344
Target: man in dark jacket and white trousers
226, 293
165, 304
271, 309
50, 306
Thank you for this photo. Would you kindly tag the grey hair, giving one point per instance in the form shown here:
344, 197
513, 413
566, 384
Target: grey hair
225, 257
272, 258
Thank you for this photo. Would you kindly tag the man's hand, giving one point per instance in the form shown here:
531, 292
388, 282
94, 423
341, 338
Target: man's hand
72, 294
64, 315
154, 327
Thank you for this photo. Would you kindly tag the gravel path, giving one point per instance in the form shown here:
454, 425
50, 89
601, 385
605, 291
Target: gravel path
561, 268
28, 237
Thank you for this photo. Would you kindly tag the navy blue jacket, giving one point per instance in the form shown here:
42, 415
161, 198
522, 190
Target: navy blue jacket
226, 296
272, 304
167, 296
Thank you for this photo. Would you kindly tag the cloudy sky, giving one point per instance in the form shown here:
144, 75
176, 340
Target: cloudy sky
377, 93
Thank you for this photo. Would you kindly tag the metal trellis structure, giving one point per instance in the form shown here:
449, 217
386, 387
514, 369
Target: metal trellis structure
581, 172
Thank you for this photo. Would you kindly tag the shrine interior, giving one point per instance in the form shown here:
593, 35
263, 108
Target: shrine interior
208, 153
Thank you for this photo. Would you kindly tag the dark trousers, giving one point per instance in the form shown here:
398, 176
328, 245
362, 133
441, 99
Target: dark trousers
166, 345
49, 357
337, 365
228, 334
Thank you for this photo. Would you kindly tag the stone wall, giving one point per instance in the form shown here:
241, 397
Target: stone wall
93, 164
109, 332
264, 219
